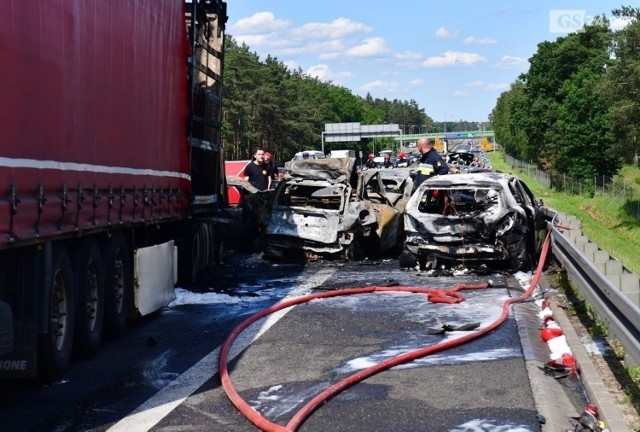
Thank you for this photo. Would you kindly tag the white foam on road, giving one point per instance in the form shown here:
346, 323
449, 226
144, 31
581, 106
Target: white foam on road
151, 412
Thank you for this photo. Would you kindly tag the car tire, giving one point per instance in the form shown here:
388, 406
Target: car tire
407, 259
518, 248
355, 251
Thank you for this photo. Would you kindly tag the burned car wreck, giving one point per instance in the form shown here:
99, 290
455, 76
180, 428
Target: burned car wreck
473, 219
325, 208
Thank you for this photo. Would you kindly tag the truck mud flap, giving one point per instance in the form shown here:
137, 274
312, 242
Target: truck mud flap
21, 362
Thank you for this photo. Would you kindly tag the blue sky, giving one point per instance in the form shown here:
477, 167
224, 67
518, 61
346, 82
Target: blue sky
454, 58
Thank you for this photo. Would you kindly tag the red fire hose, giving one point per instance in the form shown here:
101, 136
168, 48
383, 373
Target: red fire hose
450, 296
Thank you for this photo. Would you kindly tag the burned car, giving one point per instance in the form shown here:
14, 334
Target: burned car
325, 208
471, 219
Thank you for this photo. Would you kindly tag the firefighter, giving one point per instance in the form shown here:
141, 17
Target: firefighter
370, 162
430, 163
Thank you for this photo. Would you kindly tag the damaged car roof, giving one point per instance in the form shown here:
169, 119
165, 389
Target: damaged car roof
333, 169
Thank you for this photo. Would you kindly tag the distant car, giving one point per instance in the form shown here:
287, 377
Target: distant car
325, 208
310, 154
468, 162
482, 218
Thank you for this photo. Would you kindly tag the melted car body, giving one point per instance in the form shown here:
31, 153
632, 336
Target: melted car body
477, 218
323, 207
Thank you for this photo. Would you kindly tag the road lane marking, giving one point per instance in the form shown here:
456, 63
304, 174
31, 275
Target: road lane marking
152, 411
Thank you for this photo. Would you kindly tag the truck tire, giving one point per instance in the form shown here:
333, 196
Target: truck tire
6, 329
188, 252
118, 285
55, 345
89, 283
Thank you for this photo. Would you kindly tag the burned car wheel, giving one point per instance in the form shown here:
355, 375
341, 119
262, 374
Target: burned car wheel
407, 259
519, 249
355, 251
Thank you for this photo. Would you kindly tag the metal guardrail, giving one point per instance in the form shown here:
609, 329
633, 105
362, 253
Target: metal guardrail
620, 314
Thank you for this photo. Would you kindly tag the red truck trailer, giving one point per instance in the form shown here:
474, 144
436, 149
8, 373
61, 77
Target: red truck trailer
111, 170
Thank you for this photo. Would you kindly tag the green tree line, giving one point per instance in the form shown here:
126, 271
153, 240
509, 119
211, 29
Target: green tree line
576, 111
265, 104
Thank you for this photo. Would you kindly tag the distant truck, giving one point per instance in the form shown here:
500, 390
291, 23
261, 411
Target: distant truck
111, 175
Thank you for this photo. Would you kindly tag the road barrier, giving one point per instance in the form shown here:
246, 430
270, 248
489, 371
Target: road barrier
609, 288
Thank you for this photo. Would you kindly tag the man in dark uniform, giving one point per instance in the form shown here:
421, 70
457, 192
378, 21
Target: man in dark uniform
370, 162
430, 163
256, 172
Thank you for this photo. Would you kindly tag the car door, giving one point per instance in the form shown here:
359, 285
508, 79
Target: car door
535, 215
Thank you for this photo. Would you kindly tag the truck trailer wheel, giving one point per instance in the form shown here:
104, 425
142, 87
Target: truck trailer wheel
193, 253
89, 280
117, 286
188, 255
6, 329
54, 346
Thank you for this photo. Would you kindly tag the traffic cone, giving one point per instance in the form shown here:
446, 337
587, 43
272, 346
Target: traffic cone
559, 351
589, 420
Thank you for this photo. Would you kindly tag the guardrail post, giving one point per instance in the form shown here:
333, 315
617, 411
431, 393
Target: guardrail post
600, 258
630, 286
588, 249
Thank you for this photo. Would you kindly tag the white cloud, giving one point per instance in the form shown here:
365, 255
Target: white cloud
512, 62
368, 48
320, 71
381, 86
324, 73
459, 93
619, 23
259, 22
442, 33
338, 28
408, 55
482, 41
453, 58
497, 86
291, 64
416, 82
325, 47
475, 84
486, 86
